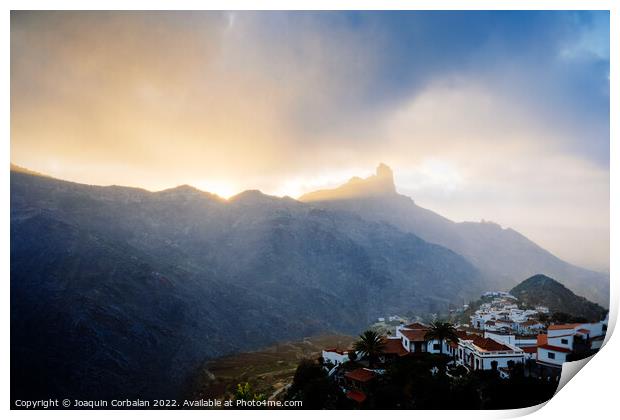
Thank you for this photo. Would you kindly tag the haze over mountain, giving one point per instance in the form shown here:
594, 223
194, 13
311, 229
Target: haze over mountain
119, 292
504, 256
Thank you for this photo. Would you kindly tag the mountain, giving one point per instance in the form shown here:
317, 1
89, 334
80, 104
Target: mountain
120, 292
504, 256
545, 291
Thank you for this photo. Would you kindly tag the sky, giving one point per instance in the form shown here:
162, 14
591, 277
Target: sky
501, 116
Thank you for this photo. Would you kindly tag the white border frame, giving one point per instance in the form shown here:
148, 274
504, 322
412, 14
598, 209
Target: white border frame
593, 394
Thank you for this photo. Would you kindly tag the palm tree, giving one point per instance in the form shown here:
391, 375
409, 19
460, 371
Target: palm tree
442, 331
370, 345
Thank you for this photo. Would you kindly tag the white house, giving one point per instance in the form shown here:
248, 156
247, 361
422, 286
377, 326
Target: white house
480, 318
335, 356
552, 355
561, 340
529, 326
472, 351
413, 337
477, 353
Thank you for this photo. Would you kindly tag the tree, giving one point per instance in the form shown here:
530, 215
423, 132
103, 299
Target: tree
352, 355
442, 331
563, 318
246, 393
371, 345
560, 317
543, 318
312, 386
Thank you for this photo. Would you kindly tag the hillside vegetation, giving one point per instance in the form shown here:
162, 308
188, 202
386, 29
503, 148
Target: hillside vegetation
545, 291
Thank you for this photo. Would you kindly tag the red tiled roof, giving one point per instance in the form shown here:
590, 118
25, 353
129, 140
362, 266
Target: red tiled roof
583, 331
394, 346
463, 335
554, 348
360, 375
416, 326
489, 344
414, 335
357, 396
529, 349
563, 326
531, 322
541, 339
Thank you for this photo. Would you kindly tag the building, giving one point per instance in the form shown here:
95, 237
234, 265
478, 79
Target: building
393, 348
335, 356
478, 353
412, 337
552, 355
560, 341
529, 326
472, 351
357, 383
504, 315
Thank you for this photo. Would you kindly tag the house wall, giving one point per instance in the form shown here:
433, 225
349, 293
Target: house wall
502, 361
405, 342
519, 342
543, 357
558, 333
558, 341
596, 344
596, 329
430, 346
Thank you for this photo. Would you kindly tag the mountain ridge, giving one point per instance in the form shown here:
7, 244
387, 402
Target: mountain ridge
503, 255
139, 287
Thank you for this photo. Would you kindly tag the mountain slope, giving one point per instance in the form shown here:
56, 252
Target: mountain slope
125, 290
545, 291
503, 255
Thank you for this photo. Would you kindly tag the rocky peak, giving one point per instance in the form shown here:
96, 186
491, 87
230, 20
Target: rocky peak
384, 177
379, 184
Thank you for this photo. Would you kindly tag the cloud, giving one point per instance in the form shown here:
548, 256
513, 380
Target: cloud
495, 115
472, 154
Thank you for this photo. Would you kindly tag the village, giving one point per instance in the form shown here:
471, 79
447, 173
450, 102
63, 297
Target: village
501, 337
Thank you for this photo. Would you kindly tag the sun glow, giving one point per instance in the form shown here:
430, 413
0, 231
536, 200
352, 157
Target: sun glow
222, 188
